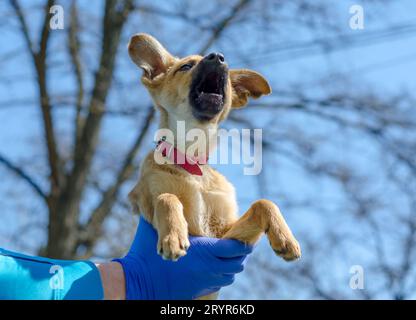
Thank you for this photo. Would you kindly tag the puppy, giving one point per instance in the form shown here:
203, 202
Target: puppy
189, 197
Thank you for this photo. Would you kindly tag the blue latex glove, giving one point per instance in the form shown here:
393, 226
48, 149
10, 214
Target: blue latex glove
209, 264
24, 277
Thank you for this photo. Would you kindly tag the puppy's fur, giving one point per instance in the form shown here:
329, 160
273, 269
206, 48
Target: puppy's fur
175, 201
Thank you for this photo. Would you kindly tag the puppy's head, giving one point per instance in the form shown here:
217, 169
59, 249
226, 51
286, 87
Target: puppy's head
203, 88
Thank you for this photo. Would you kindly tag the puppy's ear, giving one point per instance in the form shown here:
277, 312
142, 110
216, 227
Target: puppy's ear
149, 54
247, 83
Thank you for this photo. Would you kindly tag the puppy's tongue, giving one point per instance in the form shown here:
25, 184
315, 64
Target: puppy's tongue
211, 98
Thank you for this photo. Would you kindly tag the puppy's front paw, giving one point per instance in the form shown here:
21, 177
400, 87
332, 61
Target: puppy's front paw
284, 243
173, 245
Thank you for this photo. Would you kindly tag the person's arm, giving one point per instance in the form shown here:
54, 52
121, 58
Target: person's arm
24, 277
113, 281
28, 277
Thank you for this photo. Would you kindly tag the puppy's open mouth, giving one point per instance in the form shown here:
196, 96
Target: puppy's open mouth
211, 89
207, 93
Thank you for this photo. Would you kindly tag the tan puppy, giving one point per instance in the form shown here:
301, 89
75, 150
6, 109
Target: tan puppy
200, 91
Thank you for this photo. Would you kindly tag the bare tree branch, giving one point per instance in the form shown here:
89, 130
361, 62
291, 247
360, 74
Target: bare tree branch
25, 30
182, 15
219, 28
40, 62
84, 150
25, 176
109, 196
74, 51
39, 59
62, 237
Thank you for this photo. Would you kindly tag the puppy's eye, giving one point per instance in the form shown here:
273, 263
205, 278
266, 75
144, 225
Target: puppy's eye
186, 67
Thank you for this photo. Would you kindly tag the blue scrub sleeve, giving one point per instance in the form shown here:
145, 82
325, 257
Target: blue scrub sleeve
24, 277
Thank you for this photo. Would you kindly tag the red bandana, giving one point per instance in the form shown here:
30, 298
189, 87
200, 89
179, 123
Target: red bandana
189, 163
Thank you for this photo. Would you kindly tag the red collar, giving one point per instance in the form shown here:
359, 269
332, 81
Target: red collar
189, 163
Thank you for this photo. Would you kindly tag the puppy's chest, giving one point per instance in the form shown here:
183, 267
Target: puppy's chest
211, 208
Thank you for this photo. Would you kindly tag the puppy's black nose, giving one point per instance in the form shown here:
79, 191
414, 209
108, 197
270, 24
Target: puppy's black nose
215, 57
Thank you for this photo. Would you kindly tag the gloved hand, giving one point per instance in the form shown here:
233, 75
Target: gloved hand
209, 264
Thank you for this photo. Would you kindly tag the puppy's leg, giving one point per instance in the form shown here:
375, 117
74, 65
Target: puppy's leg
171, 226
265, 216
212, 296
